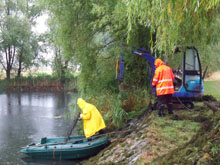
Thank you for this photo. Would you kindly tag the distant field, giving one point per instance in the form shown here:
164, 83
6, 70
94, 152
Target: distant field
212, 88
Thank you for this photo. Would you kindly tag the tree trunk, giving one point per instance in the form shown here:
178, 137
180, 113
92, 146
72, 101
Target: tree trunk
19, 70
19, 73
63, 73
62, 77
8, 73
9, 62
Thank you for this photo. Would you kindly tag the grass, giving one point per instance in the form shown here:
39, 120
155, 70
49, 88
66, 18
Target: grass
199, 150
212, 88
170, 130
168, 133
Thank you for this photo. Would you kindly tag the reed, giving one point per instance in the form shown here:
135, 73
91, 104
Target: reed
37, 82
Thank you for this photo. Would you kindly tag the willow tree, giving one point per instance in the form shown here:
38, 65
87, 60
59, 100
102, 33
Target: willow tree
94, 33
175, 23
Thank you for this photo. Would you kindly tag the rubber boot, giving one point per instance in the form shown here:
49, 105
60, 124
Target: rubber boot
170, 108
161, 111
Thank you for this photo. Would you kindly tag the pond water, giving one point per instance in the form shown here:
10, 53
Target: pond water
26, 118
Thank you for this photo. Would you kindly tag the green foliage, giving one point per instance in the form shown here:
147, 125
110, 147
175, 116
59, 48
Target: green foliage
99, 34
117, 109
209, 56
37, 82
92, 34
32, 79
95, 42
116, 116
175, 23
109, 106
215, 151
18, 45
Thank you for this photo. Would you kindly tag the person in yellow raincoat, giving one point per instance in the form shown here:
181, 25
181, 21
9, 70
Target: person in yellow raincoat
92, 119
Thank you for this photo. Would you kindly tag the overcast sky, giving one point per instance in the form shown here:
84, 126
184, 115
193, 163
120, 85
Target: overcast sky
42, 27
41, 24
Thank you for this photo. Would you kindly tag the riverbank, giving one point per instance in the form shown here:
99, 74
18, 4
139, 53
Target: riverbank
46, 83
188, 137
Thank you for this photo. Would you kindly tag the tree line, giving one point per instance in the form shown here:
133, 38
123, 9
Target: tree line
19, 45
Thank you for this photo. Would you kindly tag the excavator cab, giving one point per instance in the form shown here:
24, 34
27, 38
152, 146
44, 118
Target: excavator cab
192, 71
188, 81
188, 75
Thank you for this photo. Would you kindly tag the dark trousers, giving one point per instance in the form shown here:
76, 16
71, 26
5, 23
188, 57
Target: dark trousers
165, 100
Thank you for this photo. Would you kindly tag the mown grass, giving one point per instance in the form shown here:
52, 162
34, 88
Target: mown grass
212, 88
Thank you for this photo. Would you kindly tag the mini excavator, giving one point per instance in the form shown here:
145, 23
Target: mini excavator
187, 70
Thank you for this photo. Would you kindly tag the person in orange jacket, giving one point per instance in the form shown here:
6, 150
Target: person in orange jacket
163, 80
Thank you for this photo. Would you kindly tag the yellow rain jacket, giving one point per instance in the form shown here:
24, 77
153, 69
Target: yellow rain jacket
92, 119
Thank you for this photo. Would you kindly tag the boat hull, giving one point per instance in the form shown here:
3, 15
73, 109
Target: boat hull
76, 148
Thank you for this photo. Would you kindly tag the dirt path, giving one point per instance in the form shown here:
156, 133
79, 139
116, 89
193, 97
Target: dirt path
213, 77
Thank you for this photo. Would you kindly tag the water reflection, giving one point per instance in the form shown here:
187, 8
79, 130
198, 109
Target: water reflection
26, 117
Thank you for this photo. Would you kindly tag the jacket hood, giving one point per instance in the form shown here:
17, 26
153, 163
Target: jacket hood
81, 103
158, 62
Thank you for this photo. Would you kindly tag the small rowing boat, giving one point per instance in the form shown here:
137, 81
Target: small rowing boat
77, 147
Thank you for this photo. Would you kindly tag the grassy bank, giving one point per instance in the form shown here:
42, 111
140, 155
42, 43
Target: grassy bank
203, 147
187, 137
37, 82
212, 88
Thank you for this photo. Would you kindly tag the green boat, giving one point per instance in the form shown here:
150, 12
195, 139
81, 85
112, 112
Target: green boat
77, 147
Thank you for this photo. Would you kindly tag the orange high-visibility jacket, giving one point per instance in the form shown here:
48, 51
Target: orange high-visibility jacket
163, 78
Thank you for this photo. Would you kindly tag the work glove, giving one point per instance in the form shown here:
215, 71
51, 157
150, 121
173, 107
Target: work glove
80, 118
